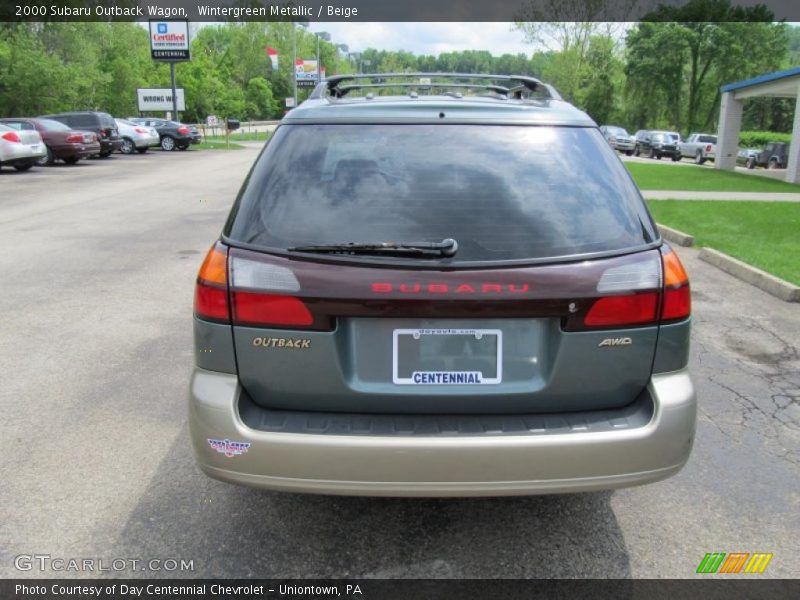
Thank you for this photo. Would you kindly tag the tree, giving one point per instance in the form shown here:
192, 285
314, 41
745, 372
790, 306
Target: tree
679, 56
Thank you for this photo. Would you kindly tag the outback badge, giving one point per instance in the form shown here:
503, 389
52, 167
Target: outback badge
295, 343
623, 341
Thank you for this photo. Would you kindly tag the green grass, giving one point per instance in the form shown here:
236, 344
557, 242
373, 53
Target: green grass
244, 136
763, 234
206, 145
695, 179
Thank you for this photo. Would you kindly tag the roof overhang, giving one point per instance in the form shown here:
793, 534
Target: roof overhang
781, 84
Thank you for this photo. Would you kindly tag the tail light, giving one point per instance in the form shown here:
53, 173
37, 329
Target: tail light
94, 137
637, 294
140, 130
103, 133
74, 138
262, 294
211, 291
708, 148
183, 130
677, 302
12, 136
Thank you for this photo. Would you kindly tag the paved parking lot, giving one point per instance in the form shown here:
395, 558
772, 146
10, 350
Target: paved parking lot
98, 266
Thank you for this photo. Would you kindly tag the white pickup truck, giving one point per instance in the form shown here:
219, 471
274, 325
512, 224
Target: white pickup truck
699, 146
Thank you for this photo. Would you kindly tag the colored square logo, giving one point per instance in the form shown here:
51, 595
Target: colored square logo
162, 28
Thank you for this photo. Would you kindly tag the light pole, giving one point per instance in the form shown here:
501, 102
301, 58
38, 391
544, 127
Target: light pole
294, 56
327, 37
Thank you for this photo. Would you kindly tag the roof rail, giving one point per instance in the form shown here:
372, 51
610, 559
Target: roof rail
518, 84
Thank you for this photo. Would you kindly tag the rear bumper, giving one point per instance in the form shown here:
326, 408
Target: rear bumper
462, 465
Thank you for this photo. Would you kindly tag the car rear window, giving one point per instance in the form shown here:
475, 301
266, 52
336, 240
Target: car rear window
50, 125
502, 192
707, 139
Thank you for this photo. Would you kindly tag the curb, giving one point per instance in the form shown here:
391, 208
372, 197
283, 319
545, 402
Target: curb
675, 236
769, 283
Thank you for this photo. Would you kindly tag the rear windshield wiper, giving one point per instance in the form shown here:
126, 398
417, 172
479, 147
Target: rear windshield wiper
447, 247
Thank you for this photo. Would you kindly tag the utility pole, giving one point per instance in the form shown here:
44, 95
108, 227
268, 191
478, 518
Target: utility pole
174, 92
294, 62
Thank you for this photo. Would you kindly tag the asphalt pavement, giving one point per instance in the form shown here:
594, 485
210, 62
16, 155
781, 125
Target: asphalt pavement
98, 267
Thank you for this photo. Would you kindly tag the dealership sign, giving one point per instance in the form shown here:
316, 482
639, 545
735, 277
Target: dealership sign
158, 100
169, 40
305, 72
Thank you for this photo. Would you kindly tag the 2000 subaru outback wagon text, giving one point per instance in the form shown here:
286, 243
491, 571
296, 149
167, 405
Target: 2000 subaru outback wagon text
451, 289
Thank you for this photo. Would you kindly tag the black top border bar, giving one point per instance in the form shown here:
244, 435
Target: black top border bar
304, 11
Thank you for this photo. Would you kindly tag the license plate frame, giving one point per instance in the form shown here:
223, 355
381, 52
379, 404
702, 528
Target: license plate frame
448, 377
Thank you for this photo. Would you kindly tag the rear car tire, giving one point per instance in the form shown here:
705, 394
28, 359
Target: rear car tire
47, 160
105, 154
23, 166
698, 158
773, 163
71, 160
628, 152
167, 143
676, 157
142, 150
127, 146
751, 163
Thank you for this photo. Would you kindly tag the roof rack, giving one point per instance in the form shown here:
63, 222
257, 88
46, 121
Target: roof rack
519, 84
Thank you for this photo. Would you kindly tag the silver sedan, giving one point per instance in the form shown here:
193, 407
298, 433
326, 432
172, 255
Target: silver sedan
20, 148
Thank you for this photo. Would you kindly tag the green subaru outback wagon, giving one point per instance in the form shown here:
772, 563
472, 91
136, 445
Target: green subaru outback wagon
440, 285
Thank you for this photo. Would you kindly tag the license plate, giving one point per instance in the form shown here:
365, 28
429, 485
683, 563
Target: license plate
35, 147
447, 356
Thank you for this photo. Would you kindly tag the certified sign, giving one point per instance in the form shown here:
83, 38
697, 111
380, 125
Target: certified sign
169, 40
157, 100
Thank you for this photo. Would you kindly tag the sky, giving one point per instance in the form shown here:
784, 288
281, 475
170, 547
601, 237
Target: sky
427, 38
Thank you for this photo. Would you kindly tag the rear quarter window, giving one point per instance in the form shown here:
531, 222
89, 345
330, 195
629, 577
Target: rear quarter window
505, 193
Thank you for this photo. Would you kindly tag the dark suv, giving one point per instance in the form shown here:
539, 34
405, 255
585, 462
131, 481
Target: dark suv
658, 144
458, 293
100, 123
775, 155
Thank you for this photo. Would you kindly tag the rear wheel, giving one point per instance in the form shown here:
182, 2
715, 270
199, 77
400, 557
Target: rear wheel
23, 166
773, 163
104, 154
167, 143
751, 163
142, 150
71, 160
676, 157
127, 146
698, 158
628, 152
47, 160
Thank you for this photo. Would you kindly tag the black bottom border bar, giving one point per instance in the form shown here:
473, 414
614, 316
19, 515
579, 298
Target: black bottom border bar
391, 589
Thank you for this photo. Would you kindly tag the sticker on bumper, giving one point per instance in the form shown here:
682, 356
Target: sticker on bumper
229, 448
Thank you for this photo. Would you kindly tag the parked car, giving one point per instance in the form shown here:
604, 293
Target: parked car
657, 144
638, 137
61, 142
618, 138
20, 149
526, 331
171, 133
97, 122
745, 154
775, 155
136, 137
699, 146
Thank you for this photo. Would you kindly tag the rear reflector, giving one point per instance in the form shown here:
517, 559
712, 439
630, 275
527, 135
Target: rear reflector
268, 309
631, 309
677, 296
211, 291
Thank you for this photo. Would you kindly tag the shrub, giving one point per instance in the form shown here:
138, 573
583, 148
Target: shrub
757, 139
